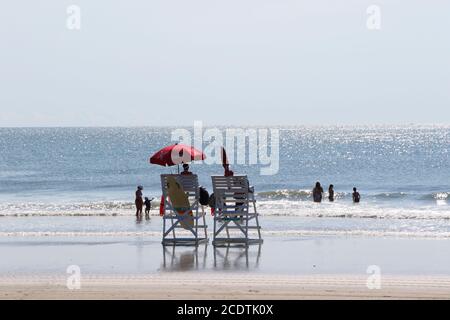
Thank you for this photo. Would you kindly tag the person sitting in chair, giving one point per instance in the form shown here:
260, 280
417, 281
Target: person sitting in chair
228, 172
185, 171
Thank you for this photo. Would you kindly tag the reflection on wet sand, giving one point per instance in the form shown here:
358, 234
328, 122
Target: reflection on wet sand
227, 257
183, 258
230, 257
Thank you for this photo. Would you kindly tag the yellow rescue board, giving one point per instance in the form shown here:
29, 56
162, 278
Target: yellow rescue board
179, 200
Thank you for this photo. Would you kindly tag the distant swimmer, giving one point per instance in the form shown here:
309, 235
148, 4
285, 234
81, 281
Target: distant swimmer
331, 193
317, 192
356, 196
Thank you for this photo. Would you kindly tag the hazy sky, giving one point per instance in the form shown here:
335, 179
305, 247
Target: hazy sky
170, 62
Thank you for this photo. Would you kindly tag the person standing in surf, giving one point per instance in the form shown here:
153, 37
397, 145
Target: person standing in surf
356, 196
317, 192
331, 193
148, 207
139, 202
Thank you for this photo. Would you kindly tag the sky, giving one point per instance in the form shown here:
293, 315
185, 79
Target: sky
252, 62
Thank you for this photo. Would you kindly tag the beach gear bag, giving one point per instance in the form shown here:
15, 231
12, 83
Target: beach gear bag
204, 196
212, 203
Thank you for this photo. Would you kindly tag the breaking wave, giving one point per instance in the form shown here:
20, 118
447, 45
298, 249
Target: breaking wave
98, 208
292, 194
397, 205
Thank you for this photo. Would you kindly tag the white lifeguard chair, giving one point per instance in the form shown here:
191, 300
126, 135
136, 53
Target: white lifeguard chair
176, 230
235, 210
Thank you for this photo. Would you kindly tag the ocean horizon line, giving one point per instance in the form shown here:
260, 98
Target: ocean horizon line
206, 125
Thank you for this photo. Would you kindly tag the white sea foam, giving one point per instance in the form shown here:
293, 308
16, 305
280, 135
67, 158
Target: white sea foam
365, 233
80, 233
440, 209
273, 233
349, 210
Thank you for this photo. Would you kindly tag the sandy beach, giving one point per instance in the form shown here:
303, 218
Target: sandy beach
327, 267
224, 286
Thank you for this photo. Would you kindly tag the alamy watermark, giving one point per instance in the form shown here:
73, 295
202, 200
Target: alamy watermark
373, 21
73, 20
249, 146
74, 279
374, 280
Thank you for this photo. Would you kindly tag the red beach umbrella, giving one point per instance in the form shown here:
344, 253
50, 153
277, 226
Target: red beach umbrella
176, 154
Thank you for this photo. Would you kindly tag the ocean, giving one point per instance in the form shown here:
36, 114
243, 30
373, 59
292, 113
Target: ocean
82, 180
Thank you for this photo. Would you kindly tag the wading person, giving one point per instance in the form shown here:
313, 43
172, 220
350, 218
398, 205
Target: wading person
148, 206
331, 193
356, 196
139, 202
317, 192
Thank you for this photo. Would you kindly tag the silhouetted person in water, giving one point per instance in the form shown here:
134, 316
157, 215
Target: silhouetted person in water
356, 196
317, 192
139, 202
331, 193
148, 206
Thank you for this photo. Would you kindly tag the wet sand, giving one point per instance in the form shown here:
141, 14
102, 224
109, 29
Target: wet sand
326, 267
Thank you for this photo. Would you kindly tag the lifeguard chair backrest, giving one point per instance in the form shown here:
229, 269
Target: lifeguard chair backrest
188, 182
234, 188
